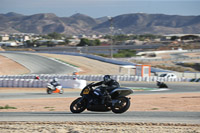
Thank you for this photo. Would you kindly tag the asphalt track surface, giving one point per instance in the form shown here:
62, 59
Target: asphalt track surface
173, 88
130, 116
39, 64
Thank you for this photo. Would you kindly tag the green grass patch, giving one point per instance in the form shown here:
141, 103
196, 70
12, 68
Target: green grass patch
141, 88
65, 62
103, 55
48, 107
154, 109
125, 53
7, 107
121, 54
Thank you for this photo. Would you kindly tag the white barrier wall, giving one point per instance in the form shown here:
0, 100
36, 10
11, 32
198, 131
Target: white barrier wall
79, 84
32, 83
68, 82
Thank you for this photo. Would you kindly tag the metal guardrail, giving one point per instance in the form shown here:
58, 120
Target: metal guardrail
170, 59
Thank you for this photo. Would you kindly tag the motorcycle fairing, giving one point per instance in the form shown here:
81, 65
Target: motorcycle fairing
121, 91
98, 107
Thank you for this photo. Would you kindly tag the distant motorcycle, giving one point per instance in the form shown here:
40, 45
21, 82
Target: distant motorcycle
161, 84
90, 100
51, 89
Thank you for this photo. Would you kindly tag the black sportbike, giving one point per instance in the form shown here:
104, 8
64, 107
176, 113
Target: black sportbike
92, 100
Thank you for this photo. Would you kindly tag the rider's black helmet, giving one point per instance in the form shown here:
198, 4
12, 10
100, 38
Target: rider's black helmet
106, 78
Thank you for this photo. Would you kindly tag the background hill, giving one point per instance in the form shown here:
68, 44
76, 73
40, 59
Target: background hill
137, 23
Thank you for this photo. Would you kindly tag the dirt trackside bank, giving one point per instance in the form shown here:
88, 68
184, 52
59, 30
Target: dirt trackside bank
144, 102
96, 127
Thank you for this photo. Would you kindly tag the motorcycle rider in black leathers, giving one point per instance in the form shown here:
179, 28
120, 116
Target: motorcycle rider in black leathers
161, 84
107, 85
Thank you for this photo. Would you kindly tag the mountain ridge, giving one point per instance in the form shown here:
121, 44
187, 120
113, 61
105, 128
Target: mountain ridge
133, 23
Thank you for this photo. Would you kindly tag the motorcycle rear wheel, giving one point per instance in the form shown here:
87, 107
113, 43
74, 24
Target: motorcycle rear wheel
78, 106
49, 91
121, 106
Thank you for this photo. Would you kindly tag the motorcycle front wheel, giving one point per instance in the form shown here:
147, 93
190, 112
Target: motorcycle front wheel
122, 105
61, 91
78, 105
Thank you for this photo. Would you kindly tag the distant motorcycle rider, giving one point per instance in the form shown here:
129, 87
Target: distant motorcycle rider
161, 84
55, 83
107, 85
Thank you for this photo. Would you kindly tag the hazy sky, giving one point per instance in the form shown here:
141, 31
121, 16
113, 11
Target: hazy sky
100, 8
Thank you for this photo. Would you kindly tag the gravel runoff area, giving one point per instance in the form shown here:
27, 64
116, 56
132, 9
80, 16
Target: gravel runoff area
9, 67
143, 102
96, 127
165, 102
